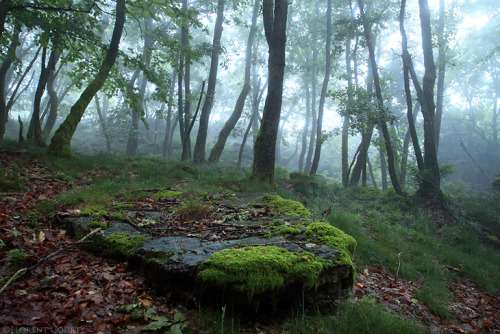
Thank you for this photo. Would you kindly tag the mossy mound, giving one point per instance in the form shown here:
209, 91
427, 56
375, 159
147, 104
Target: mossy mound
285, 206
261, 269
325, 234
123, 243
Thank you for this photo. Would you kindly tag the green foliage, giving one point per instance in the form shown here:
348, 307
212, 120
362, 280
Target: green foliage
97, 224
194, 210
156, 323
18, 258
261, 269
417, 177
11, 181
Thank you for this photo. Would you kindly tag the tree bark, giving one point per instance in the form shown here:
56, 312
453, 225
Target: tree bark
240, 103
61, 142
322, 98
430, 187
4, 68
35, 127
314, 118
275, 19
378, 92
201, 139
102, 120
441, 71
186, 140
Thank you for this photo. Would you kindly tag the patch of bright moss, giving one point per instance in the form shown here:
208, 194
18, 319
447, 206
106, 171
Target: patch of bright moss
158, 256
117, 215
95, 210
261, 269
285, 206
323, 233
123, 243
96, 224
167, 194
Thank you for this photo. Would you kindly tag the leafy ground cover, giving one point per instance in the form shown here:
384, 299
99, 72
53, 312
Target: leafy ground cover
418, 268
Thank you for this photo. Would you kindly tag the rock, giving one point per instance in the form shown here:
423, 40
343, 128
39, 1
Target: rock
300, 260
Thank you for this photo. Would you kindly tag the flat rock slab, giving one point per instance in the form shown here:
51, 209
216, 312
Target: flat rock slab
171, 263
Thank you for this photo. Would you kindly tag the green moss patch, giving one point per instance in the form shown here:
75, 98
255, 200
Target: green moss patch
96, 224
95, 210
285, 206
123, 243
166, 194
323, 233
261, 269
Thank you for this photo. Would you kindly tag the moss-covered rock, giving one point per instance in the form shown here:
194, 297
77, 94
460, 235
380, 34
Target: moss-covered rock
123, 243
97, 224
285, 206
321, 232
261, 269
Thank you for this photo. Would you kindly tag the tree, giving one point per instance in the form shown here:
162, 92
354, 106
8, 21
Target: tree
275, 18
240, 103
61, 142
321, 108
201, 139
4, 67
378, 92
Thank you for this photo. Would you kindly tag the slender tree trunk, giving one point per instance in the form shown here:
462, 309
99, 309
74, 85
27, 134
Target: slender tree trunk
168, 126
275, 19
345, 125
441, 71
201, 139
314, 117
54, 104
240, 103
186, 142
61, 141
306, 127
378, 91
102, 121
322, 98
4, 68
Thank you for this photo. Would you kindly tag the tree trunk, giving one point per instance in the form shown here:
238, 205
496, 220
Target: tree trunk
275, 19
54, 104
240, 103
4, 68
322, 98
61, 142
201, 139
441, 71
314, 118
102, 120
378, 91
306, 125
35, 127
168, 126
429, 187
186, 141
345, 125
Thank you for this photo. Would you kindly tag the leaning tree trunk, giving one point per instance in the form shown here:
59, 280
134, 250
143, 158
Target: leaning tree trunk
61, 142
322, 98
275, 18
201, 139
240, 103
35, 127
378, 92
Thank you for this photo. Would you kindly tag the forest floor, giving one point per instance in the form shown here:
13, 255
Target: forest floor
69, 289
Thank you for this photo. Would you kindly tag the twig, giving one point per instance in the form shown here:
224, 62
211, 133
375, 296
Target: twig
21, 272
399, 263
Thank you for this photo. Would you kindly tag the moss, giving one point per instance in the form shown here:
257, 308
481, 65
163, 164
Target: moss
95, 210
166, 194
158, 256
289, 230
123, 243
261, 269
323, 233
96, 224
285, 206
117, 215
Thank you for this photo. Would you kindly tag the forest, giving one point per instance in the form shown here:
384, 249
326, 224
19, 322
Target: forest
366, 127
